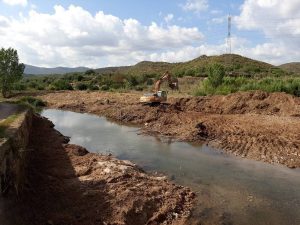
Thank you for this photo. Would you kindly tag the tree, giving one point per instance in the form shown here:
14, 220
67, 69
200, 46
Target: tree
10, 70
90, 72
216, 73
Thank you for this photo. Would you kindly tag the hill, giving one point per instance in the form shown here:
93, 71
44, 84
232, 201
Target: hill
35, 70
111, 70
196, 67
293, 67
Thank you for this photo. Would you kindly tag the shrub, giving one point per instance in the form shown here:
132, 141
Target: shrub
179, 73
20, 87
93, 87
132, 81
81, 86
61, 84
35, 102
104, 87
216, 74
190, 72
79, 78
90, 72
150, 81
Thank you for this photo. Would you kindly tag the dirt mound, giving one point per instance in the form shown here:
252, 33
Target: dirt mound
68, 185
257, 125
256, 102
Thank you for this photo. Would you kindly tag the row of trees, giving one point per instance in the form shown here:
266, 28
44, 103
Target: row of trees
10, 70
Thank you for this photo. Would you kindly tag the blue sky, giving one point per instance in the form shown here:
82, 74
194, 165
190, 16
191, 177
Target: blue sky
117, 32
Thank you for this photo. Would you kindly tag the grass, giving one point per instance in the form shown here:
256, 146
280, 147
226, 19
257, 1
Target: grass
290, 85
4, 124
35, 104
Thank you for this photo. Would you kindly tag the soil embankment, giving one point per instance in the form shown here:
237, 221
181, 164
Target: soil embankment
68, 185
256, 125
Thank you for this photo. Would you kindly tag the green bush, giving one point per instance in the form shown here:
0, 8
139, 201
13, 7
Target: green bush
234, 84
79, 78
190, 72
20, 87
81, 86
104, 87
216, 74
132, 81
35, 102
93, 87
179, 73
61, 84
150, 81
90, 72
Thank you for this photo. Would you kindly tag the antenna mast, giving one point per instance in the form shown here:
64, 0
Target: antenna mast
229, 35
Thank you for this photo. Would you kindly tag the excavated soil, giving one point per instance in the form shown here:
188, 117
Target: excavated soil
256, 125
68, 185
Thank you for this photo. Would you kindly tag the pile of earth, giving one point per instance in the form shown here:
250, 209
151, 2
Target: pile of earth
257, 125
68, 185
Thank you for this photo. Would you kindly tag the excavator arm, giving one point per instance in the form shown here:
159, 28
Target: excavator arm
166, 77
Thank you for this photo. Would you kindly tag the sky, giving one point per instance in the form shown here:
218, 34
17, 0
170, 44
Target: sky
101, 33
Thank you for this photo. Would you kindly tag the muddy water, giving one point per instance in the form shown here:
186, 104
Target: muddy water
230, 190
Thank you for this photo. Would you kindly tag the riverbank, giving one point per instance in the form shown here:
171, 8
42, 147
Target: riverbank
68, 185
255, 125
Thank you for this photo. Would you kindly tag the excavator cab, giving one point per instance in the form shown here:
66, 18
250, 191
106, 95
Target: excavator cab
160, 96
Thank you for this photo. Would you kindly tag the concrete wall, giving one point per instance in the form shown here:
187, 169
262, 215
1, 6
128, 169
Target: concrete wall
13, 154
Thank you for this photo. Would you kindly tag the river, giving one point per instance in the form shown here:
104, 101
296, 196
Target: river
246, 191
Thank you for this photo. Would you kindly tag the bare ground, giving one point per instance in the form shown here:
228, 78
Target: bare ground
68, 185
7, 110
256, 125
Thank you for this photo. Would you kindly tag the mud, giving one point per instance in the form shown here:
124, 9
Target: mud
68, 185
256, 125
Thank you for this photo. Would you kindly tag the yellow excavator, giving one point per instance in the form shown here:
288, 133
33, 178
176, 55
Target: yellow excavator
160, 96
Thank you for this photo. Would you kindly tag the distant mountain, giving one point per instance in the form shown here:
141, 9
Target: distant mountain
57, 70
291, 67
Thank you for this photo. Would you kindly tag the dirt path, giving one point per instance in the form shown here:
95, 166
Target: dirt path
68, 185
7, 110
255, 125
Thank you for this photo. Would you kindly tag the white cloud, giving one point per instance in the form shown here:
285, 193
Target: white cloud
169, 18
15, 2
272, 53
73, 37
279, 20
196, 5
191, 52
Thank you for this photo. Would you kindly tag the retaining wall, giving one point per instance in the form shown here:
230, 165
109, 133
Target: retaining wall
13, 153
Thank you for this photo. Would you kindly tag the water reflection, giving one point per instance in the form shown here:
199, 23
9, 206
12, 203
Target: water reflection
251, 192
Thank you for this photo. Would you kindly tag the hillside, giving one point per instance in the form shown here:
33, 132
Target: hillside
109, 70
293, 67
234, 64
35, 70
196, 67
